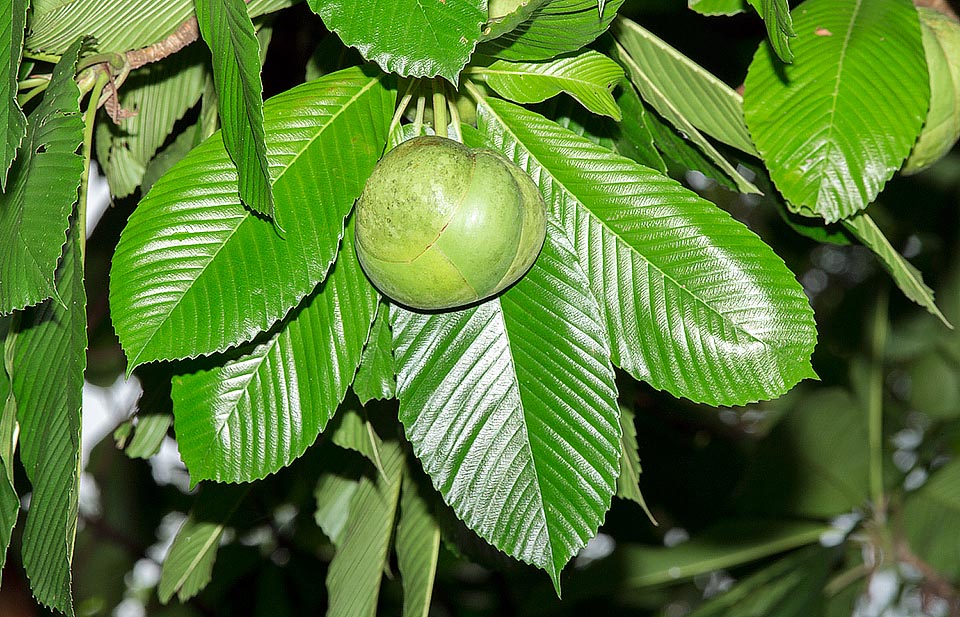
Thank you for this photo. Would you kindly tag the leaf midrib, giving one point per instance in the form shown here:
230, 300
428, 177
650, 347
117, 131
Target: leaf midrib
620, 240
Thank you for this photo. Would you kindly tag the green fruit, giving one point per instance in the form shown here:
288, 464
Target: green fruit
941, 44
440, 225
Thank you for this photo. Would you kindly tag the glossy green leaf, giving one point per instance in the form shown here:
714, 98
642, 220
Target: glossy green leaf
13, 18
776, 16
628, 482
375, 377
159, 95
189, 563
789, 587
555, 27
931, 518
694, 303
41, 192
681, 90
353, 580
408, 37
815, 462
228, 32
266, 404
418, 549
836, 124
649, 91
149, 434
904, 274
191, 249
636, 138
505, 15
520, 438
47, 361
116, 25
587, 76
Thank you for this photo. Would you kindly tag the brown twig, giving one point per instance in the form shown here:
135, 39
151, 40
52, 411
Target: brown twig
188, 32
938, 5
934, 582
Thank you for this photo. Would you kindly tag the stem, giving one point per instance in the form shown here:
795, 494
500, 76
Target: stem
33, 82
474, 91
26, 97
42, 57
439, 109
402, 106
455, 117
875, 405
89, 117
418, 119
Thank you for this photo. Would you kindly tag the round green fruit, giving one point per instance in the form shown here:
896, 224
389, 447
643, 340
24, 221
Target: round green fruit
440, 225
941, 44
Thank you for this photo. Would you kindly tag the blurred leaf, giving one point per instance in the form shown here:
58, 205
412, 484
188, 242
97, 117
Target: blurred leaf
47, 365
790, 587
330, 56
408, 37
718, 7
854, 107
41, 192
264, 405
228, 31
681, 90
520, 438
587, 76
13, 18
815, 462
935, 385
159, 95
116, 25
418, 549
334, 492
931, 520
149, 434
375, 378
555, 27
353, 580
190, 248
169, 156
9, 501
907, 278
694, 303
189, 563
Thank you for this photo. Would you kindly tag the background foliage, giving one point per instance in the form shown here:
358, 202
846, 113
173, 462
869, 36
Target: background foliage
624, 425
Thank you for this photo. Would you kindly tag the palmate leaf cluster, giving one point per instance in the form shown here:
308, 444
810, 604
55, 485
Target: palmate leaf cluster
237, 269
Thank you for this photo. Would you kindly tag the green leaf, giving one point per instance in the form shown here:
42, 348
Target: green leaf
505, 15
116, 25
718, 7
375, 378
854, 101
418, 549
228, 31
727, 544
409, 37
169, 156
681, 90
679, 152
931, 519
188, 565
907, 277
48, 358
694, 303
353, 580
41, 191
334, 492
13, 18
776, 16
150, 432
266, 404
628, 482
353, 431
790, 587
192, 249
159, 94
815, 462
555, 27
587, 76
520, 438
9, 501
